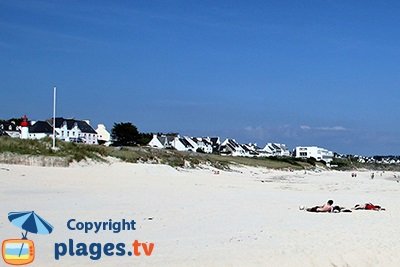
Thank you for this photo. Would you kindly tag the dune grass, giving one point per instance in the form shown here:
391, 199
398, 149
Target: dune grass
69, 151
78, 152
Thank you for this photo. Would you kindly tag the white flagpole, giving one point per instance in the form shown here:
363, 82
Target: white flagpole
54, 117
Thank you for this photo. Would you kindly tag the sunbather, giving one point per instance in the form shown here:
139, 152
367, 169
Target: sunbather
324, 208
368, 206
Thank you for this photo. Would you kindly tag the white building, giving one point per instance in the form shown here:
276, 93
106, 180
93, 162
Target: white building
24, 128
276, 150
40, 129
315, 152
10, 128
232, 148
204, 144
71, 130
103, 136
161, 141
250, 150
215, 143
183, 144
27, 129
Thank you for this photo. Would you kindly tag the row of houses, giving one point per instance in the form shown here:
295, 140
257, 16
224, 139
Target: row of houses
69, 130
232, 148
185, 143
371, 159
80, 131
214, 145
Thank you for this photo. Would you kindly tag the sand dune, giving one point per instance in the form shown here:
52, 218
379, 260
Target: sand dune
245, 217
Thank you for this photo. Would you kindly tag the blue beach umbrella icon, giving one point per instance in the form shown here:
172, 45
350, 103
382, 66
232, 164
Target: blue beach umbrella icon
30, 222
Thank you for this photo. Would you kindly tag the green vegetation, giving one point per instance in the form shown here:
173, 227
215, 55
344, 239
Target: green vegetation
69, 151
78, 152
127, 134
352, 163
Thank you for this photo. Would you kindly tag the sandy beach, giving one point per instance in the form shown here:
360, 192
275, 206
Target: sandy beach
199, 217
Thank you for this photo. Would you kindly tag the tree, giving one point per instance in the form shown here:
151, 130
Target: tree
144, 138
125, 134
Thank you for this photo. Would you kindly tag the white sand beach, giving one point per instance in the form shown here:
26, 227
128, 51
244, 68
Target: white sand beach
245, 217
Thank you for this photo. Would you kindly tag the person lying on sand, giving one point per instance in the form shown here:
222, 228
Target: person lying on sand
368, 206
324, 208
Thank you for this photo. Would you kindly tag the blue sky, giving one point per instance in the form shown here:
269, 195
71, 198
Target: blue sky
297, 72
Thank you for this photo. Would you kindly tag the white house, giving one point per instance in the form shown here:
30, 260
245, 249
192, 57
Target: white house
314, 152
275, 149
215, 143
250, 150
39, 130
157, 142
183, 144
103, 136
72, 130
161, 141
27, 129
231, 147
10, 128
192, 143
203, 143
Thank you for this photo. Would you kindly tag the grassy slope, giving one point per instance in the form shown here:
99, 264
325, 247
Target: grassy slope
70, 151
353, 164
77, 152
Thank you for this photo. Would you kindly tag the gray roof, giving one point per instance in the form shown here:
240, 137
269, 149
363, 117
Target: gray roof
233, 143
165, 140
82, 125
185, 143
41, 127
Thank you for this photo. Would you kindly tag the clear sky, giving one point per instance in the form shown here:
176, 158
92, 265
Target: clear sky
297, 72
